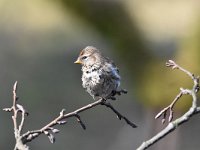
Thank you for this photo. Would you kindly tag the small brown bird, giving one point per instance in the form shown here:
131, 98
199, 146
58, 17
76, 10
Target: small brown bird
100, 76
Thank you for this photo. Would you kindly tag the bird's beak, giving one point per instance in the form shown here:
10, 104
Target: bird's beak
78, 62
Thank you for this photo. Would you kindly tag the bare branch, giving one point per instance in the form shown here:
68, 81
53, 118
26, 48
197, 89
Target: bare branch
81, 122
20, 107
16, 108
119, 116
14, 117
184, 118
49, 130
170, 107
61, 119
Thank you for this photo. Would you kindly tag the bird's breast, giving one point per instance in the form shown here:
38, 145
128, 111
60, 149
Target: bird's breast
91, 77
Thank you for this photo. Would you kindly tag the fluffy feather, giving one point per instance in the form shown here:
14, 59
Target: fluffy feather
100, 76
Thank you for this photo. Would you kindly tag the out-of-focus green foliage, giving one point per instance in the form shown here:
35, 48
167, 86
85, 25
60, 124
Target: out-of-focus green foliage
155, 85
112, 21
161, 86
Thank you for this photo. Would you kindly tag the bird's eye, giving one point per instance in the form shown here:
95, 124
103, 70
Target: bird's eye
84, 57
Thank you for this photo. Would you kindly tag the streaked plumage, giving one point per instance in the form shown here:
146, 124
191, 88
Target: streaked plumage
100, 76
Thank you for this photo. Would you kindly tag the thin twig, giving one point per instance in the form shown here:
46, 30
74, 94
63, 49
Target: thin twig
14, 117
119, 116
62, 117
170, 127
185, 117
81, 122
170, 107
20, 107
16, 108
49, 130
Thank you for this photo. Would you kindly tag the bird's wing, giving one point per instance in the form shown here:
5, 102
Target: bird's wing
111, 70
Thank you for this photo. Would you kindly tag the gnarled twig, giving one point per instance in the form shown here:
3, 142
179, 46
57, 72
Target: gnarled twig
49, 130
184, 118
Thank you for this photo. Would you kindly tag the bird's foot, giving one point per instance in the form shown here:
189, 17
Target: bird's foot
112, 98
119, 92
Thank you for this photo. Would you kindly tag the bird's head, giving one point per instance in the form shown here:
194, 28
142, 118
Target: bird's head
88, 56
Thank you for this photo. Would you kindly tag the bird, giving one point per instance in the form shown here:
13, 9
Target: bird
100, 76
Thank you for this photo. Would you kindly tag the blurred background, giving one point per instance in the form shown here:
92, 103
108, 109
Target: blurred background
40, 40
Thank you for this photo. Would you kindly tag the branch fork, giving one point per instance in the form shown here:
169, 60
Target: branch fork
194, 109
49, 130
